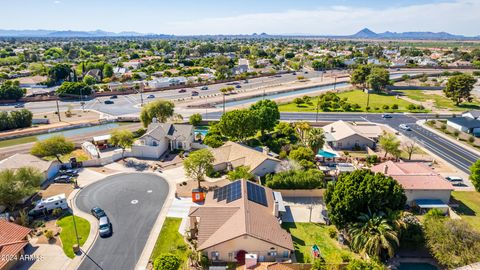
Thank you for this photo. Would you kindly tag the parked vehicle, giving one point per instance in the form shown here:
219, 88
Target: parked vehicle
70, 172
19, 106
246, 81
46, 206
386, 116
238, 86
114, 97
66, 179
404, 127
98, 212
294, 73
151, 96
108, 102
455, 180
195, 93
104, 227
204, 88
182, 91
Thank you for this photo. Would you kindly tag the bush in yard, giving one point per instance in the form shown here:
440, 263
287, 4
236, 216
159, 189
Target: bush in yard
456, 133
372, 159
332, 232
395, 106
471, 139
57, 212
385, 107
319, 264
296, 179
411, 107
49, 234
167, 261
302, 153
362, 191
241, 172
195, 119
364, 265
443, 126
475, 175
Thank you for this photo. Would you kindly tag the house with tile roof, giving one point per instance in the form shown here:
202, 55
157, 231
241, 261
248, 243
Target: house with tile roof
13, 239
341, 135
237, 219
232, 155
422, 185
161, 137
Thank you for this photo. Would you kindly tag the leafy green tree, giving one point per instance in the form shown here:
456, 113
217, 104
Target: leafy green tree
296, 179
17, 119
364, 265
302, 153
378, 78
122, 138
160, 109
167, 261
359, 75
197, 164
59, 72
459, 88
390, 144
18, 184
55, 146
240, 172
239, 124
195, 119
475, 175
319, 264
374, 236
74, 89
89, 80
452, 242
267, 113
107, 70
315, 139
359, 192
10, 90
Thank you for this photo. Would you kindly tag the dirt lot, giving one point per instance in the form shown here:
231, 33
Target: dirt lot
55, 189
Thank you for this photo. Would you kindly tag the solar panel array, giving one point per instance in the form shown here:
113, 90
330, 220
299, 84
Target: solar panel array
256, 194
230, 192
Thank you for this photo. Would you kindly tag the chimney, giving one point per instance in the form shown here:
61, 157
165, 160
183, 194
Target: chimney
250, 261
265, 150
275, 209
332, 130
385, 169
154, 120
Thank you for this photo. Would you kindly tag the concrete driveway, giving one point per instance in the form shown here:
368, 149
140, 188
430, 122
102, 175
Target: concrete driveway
303, 209
46, 256
132, 202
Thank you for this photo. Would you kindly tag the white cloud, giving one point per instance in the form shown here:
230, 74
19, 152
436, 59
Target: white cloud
56, 2
459, 17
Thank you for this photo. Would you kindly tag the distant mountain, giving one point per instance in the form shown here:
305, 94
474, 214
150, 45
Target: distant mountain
65, 34
369, 34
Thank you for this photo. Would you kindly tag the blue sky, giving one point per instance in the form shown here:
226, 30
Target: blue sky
183, 17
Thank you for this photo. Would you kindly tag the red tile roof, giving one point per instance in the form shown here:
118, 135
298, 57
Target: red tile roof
12, 240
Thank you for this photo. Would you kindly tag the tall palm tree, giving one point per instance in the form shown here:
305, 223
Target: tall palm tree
374, 236
315, 139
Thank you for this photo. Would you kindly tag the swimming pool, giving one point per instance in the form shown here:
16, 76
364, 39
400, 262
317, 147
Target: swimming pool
326, 154
201, 130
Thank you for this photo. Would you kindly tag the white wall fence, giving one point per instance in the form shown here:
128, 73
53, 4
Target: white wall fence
106, 160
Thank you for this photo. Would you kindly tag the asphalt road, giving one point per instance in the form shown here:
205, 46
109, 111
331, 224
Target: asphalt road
455, 154
132, 202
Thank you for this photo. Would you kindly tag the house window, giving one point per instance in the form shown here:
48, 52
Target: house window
215, 255
261, 258
272, 254
154, 143
339, 144
285, 254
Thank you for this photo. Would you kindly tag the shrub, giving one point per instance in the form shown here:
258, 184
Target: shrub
195, 119
385, 107
411, 107
57, 212
371, 159
167, 261
296, 179
49, 234
332, 232
471, 139
456, 133
395, 106
443, 126
367, 108
346, 257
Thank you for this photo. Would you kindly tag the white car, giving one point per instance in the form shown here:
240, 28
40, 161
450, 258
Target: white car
455, 180
404, 127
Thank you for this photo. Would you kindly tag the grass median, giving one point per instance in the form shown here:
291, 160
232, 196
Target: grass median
67, 235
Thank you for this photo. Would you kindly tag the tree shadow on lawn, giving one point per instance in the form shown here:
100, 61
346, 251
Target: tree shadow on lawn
462, 209
469, 106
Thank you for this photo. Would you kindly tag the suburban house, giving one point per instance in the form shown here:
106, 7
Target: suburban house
238, 221
473, 114
95, 73
232, 155
13, 239
423, 187
342, 135
465, 124
161, 137
48, 168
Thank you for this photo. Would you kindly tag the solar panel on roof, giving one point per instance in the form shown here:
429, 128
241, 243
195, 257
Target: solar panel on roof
256, 194
230, 192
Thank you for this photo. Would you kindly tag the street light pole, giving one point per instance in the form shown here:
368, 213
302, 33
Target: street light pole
58, 112
75, 226
335, 83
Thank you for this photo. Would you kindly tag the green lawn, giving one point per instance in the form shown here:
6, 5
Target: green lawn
67, 235
469, 208
170, 240
17, 141
305, 235
354, 96
440, 101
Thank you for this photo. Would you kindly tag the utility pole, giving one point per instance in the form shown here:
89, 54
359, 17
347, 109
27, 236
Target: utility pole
58, 112
75, 226
223, 103
318, 107
335, 83
368, 97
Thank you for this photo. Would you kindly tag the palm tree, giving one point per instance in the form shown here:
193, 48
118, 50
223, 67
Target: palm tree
374, 236
315, 139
